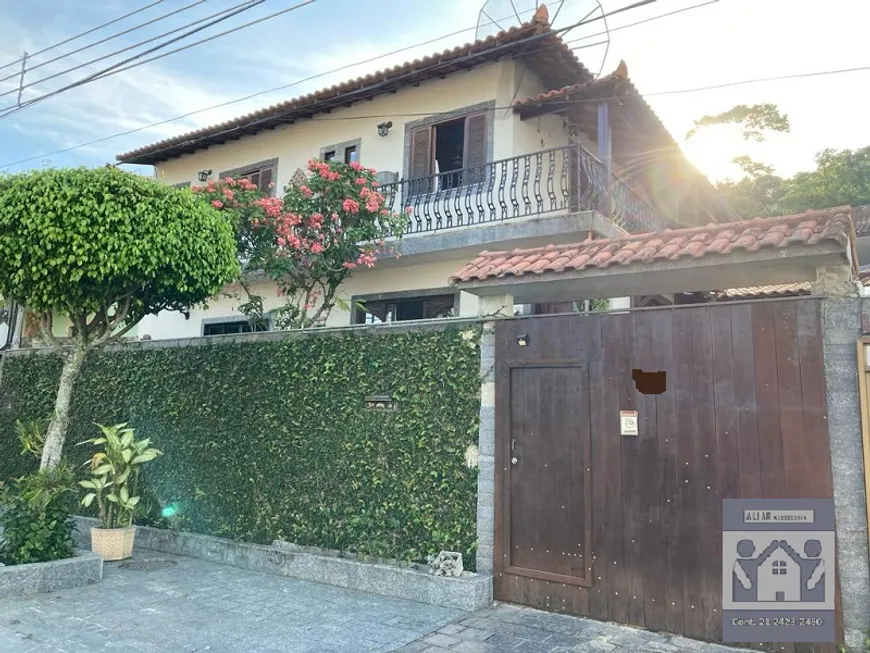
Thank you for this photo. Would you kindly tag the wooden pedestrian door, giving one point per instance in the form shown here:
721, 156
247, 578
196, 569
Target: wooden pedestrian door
625, 524
548, 483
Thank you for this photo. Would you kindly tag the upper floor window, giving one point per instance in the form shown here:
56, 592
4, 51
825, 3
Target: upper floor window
449, 153
261, 174
347, 151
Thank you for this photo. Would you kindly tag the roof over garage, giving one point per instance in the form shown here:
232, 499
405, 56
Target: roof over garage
758, 252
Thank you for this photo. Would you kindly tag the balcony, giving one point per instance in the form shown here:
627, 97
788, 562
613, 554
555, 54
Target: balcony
550, 182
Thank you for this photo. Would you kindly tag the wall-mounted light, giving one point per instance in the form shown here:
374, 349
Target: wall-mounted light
384, 128
203, 175
523, 340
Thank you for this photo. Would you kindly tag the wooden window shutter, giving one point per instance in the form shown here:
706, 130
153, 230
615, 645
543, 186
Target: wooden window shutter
421, 160
265, 180
421, 153
475, 147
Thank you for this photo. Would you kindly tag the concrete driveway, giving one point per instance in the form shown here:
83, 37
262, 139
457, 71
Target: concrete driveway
159, 603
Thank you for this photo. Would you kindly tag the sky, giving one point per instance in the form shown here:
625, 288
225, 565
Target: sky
725, 41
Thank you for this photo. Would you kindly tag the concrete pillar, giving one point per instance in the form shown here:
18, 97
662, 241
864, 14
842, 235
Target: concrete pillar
841, 326
496, 305
486, 446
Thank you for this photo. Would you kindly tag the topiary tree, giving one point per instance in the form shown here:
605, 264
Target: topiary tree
104, 248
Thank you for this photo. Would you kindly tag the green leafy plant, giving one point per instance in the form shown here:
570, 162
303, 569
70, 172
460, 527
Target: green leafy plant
308, 242
272, 440
115, 474
36, 509
103, 248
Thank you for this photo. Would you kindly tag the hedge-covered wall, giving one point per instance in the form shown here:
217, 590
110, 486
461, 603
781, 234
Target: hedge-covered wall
269, 440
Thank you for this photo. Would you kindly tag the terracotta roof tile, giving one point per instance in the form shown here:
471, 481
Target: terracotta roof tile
548, 53
801, 230
760, 292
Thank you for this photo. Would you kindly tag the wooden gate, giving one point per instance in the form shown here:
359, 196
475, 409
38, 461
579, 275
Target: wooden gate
628, 528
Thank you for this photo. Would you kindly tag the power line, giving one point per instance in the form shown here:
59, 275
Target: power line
245, 4
117, 68
490, 52
78, 36
100, 42
757, 80
257, 94
641, 22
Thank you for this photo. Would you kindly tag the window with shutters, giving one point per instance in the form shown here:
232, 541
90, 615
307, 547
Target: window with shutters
261, 174
449, 154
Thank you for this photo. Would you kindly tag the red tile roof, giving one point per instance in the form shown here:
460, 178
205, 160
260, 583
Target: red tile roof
759, 292
621, 73
801, 230
544, 51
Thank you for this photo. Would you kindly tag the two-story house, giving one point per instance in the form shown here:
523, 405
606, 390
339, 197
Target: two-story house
505, 142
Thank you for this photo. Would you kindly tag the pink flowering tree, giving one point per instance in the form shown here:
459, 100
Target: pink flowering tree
309, 242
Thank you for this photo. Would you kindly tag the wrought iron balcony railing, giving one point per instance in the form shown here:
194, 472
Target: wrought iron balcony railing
559, 180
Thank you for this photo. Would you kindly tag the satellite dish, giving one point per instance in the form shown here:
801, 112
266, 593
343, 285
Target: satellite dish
583, 21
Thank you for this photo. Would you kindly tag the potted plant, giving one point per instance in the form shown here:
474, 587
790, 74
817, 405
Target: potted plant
114, 477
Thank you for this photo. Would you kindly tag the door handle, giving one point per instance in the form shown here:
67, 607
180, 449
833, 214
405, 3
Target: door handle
513, 445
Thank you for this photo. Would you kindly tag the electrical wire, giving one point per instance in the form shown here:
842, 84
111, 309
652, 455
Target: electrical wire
248, 4
757, 80
100, 42
487, 53
641, 22
136, 130
78, 36
120, 67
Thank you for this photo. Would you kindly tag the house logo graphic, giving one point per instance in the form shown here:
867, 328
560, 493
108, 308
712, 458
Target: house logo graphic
778, 570
779, 573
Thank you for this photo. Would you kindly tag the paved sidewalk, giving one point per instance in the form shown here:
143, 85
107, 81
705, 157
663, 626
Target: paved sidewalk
183, 605
515, 629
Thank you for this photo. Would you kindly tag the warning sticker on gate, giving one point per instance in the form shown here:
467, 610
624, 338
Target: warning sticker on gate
628, 422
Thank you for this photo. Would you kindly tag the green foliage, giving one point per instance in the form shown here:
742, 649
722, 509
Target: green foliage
115, 474
309, 241
36, 509
269, 440
754, 120
841, 177
82, 241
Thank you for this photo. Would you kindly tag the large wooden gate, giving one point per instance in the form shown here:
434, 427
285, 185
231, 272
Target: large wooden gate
628, 529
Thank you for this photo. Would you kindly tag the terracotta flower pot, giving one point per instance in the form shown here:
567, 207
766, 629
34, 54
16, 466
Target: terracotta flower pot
113, 543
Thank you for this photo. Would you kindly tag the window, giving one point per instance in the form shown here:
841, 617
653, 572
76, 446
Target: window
261, 174
226, 327
347, 151
779, 568
402, 309
183, 184
454, 150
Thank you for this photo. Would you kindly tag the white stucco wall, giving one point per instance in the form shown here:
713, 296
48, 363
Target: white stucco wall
293, 145
392, 277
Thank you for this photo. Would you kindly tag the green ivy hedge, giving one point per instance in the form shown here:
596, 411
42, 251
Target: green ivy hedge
272, 440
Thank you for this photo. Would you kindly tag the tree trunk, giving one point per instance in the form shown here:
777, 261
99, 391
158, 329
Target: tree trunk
57, 428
